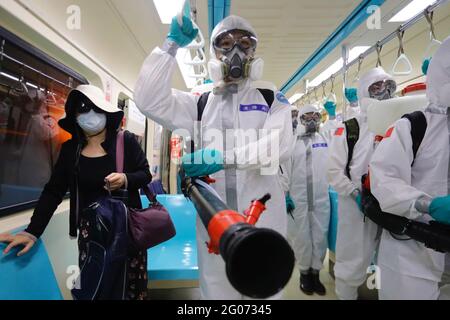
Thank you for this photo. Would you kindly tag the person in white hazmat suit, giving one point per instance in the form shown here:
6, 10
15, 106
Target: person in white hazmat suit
308, 188
233, 107
356, 238
416, 188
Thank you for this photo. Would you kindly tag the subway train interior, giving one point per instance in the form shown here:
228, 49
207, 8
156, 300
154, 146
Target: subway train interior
281, 150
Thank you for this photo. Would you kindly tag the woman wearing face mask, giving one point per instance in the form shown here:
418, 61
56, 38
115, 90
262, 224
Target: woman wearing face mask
89, 158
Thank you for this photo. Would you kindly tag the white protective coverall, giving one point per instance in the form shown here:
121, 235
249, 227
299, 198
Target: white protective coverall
308, 187
243, 181
409, 270
356, 238
329, 127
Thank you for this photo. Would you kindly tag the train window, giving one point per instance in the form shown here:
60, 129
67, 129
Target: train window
134, 121
33, 90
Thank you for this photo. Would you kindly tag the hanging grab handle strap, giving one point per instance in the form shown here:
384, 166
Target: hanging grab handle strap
379, 48
402, 57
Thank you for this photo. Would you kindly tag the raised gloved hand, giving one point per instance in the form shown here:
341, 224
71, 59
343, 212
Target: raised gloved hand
351, 94
426, 65
330, 107
290, 205
440, 209
182, 35
202, 163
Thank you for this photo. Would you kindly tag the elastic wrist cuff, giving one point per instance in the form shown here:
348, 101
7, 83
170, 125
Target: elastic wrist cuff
171, 47
355, 193
423, 204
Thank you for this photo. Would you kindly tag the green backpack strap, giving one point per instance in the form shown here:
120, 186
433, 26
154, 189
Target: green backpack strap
352, 129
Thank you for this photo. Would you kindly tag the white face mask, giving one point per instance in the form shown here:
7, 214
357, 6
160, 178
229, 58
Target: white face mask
92, 122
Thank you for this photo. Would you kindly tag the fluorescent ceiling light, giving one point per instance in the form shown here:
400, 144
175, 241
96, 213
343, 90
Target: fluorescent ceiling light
335, 67
186, 69
7, 75
296, 97
411, 10
167, 9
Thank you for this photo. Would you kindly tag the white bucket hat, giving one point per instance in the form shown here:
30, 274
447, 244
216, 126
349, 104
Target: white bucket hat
97, 97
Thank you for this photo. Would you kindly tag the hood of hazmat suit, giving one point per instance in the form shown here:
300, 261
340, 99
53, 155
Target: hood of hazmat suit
372, 76
238, 60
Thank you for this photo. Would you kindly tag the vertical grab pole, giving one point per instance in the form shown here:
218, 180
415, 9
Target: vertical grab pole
345, 54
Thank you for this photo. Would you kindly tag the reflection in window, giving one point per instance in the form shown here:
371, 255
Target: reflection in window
32, 98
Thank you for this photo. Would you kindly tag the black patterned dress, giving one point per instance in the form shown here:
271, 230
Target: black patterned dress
91, 186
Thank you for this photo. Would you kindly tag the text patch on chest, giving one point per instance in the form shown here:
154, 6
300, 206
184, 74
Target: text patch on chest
320, 145
254, 107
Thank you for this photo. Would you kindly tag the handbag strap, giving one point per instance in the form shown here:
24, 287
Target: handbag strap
120, 151
120, 156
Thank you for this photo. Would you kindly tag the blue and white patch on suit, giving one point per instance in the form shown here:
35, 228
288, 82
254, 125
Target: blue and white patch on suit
254, 107
320, 145
281, 98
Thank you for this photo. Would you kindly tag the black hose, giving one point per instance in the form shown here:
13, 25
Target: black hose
434, 235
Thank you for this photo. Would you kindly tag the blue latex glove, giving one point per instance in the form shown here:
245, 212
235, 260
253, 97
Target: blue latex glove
440, 209
330, 106
182, 35
425, 65
351, 94
202, 163
359, 202
290, 205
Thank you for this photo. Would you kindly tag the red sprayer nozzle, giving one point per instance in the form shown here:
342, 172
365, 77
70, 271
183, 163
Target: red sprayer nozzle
256, 209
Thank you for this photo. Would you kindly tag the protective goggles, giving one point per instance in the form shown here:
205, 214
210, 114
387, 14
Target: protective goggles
85, 106
381, 87
311, 117
226, 41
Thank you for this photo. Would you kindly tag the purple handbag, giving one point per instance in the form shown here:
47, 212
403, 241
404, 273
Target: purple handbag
147, 227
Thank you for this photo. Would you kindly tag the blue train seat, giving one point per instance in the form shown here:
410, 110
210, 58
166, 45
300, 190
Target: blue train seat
175, 259
29, 277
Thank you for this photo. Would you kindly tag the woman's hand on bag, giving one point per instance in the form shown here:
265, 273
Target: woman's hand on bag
17, 240
115, 181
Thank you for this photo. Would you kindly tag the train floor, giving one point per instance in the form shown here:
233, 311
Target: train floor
291, 292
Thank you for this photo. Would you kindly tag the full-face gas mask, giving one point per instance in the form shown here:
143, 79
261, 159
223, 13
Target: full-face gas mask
234, 59
311, 122
383, 90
